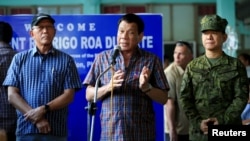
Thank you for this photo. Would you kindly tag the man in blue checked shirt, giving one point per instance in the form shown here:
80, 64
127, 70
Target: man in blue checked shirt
127, 95
41, 84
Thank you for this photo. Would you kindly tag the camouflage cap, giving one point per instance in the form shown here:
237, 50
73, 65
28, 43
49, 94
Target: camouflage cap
213, 22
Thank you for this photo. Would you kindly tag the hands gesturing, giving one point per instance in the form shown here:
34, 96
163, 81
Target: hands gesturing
144, 77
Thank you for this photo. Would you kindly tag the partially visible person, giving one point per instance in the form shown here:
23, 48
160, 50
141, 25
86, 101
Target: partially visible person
214, 87
3, 136
244, 58
166, 61
175, 120
128, 90
41, 84
7, 111
245, 116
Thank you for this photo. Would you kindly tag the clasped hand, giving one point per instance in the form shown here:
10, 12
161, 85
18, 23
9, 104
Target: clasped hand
36, 116
206, 122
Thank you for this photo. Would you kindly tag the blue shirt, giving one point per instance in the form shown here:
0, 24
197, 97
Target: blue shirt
132, 116
246, 112
40, 79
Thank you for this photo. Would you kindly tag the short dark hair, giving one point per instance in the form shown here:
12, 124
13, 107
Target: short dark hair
181, 43
6, 32
133, 18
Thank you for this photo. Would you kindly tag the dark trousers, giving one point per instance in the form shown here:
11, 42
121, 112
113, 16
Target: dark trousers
11, 136
180, 137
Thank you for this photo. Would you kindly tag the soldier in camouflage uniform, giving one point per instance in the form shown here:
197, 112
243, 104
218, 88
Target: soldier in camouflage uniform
215, 88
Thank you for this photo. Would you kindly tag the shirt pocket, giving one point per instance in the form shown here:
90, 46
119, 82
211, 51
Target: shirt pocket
228, 74
226, 81
199, 76
56, 78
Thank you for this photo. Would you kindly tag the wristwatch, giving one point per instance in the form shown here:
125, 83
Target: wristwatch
47, 108
148, 89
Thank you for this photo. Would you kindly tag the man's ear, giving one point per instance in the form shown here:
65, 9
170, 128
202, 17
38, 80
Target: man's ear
31, 33
225, 37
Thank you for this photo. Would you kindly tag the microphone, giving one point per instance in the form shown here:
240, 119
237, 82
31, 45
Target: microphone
117, 49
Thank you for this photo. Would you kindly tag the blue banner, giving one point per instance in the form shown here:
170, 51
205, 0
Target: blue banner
83, 36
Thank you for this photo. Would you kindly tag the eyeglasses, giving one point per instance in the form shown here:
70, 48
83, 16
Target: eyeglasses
40, 28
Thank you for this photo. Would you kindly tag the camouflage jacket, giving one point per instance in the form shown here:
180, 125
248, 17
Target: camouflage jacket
219, 90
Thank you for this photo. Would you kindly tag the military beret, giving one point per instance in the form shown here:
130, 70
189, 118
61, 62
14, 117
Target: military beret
213, 22
37, 18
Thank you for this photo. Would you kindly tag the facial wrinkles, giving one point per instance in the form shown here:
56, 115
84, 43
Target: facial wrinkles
46, 35
178, 55
181, 56
127, 34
